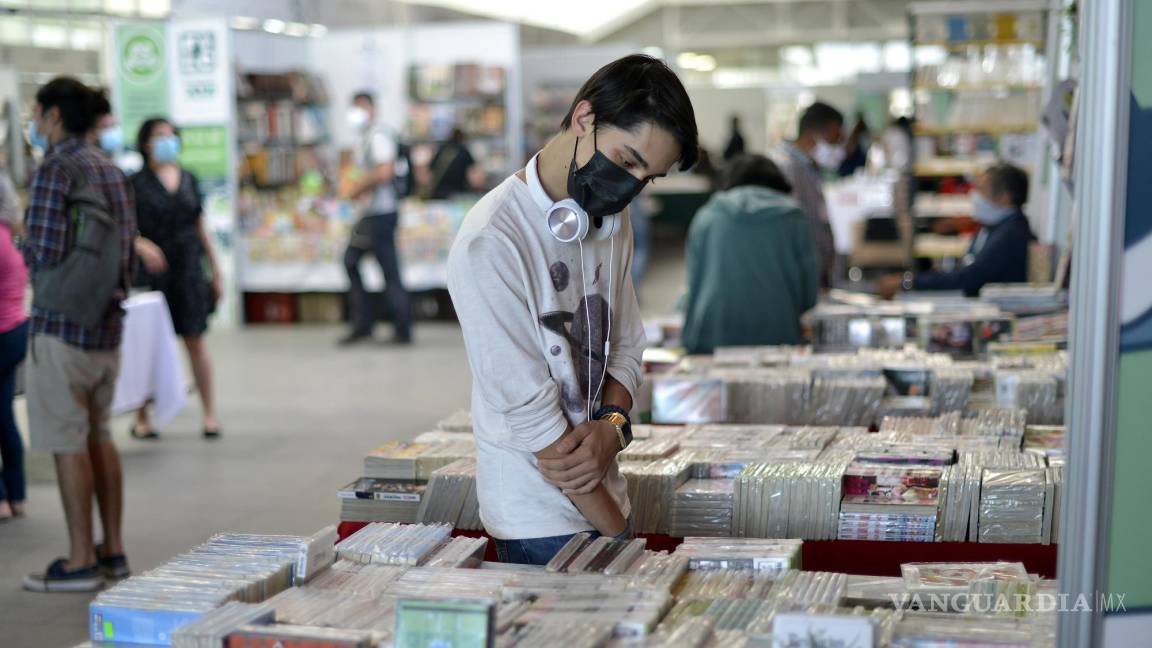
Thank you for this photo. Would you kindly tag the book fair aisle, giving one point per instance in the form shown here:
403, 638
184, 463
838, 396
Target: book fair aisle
520, 324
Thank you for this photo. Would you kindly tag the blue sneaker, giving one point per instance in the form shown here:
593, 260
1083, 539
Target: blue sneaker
114, 567
58, 579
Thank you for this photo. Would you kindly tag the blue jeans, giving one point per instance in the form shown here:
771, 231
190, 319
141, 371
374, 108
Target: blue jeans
13, 348
538, 551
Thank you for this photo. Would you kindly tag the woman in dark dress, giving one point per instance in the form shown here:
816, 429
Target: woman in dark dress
169, 214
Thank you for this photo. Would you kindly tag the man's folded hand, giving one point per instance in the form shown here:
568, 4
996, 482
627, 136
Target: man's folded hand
588, 453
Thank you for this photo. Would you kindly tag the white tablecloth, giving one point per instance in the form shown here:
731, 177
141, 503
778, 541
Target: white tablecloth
150, 366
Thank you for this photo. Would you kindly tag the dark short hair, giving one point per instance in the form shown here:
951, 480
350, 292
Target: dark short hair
757, 170
636, 90
1008, 179
145, 133
818, 117
79, 105
364, 95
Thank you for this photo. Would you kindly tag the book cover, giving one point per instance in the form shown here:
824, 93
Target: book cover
388, 490
892, 484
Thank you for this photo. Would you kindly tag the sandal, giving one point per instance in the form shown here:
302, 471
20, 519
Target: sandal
212, 434
146, 435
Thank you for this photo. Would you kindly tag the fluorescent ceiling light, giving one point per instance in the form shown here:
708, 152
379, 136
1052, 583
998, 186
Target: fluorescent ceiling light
317, 31
296, 29
273, 26
654, 52
245, 22
583, 19
696, 62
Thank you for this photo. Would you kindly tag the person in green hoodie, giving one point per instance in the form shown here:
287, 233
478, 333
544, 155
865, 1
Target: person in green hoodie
752, 263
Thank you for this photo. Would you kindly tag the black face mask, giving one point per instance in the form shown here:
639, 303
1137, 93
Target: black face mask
601, 186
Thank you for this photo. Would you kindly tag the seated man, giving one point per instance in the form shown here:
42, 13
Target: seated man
752, 266
999, 253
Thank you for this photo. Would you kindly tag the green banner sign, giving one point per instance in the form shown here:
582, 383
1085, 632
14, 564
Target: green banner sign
142, 74
204, 151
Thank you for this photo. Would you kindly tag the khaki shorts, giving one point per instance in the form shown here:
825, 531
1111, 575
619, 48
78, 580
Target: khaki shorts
69, 394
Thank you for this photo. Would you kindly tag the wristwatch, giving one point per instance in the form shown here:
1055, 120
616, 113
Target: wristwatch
618, 418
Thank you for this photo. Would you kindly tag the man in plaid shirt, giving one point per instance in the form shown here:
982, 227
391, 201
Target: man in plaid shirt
72, 369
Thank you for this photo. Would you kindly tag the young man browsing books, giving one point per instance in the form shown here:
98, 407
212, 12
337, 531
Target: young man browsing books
540, 278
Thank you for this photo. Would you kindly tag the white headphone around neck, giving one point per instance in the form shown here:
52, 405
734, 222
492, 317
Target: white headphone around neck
567, 220
569, 223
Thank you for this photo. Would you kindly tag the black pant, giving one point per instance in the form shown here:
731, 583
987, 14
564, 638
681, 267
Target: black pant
13, 347
377, 234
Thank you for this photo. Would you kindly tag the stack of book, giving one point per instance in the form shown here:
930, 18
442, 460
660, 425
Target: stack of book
702, 507
889, 502
394, 460
381, 500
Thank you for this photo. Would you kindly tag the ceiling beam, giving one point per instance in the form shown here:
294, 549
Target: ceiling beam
725, 40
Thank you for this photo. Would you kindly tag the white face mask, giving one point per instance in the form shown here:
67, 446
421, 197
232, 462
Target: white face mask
986, 212
357, 117
828, 156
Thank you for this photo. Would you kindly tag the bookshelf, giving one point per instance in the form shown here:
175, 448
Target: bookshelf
977, 100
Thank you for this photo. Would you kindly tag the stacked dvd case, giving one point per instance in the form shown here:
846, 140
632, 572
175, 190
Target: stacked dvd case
657, 570
602, 555
290, 636
771, 557
953, 587
930, 630
802, 589
212, 629
651, 487
1036, 392
460, 553
393, 544
735, 615
357, 579
727, 583
1012, 505
795, 500
765, 395
681, 399
450, 497
889, 502
148, 608
650, 449
845, 400
702, 507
